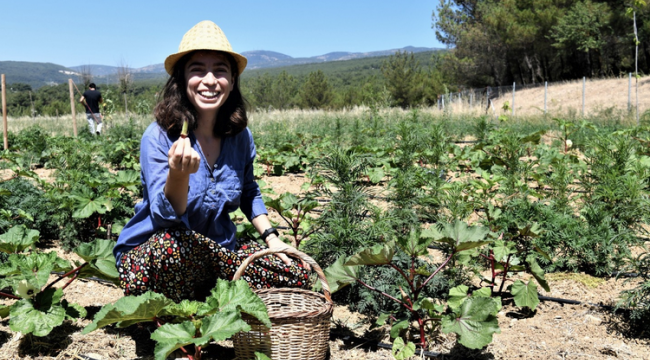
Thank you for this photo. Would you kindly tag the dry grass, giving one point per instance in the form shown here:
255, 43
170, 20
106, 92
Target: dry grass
603, 98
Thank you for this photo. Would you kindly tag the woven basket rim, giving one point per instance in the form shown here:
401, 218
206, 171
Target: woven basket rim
325, 307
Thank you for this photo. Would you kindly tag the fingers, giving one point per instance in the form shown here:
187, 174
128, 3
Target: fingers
306, 265
183, 158
285, 259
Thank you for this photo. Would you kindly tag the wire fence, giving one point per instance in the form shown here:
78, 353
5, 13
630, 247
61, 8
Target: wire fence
586, 97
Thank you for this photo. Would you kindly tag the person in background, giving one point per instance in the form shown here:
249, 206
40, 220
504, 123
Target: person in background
181, 238
91, 99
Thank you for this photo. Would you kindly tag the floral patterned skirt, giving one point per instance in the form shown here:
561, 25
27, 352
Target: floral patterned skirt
182, 264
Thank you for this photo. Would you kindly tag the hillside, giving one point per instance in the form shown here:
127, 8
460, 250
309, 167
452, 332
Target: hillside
349, 65
35, 74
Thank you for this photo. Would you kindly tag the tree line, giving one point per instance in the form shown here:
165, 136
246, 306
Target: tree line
532, 41
402, 79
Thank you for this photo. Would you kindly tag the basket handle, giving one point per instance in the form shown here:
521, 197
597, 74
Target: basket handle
292, 252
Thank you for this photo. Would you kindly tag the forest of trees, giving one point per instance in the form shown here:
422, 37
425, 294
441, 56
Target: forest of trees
530, 41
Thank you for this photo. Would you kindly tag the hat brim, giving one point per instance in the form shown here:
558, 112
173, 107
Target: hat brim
172, 59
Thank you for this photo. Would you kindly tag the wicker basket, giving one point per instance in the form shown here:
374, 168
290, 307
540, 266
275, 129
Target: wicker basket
300, 318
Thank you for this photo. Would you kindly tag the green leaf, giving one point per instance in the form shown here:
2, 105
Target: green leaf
537, 273
130, 310
236, 296
101, 262
475, 322
461, 236
339, 275
375, 175
4, 311
482, 292
502, 249
525, 295
403, 351
414, 245
185, 308
397, 327
73, 311
17, 239
221, 326
457, 295
380, 254
34, 268
170, 337
260, 356
86, 207
381, 321
40, 321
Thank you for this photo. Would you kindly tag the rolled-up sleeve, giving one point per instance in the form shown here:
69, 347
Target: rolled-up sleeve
154, 161
252, 204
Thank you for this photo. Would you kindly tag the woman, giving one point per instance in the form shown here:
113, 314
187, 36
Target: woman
181, 237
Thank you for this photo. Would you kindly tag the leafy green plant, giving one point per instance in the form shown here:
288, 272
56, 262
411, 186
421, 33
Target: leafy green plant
40, 307
637, 300
349, 221
473, 319
296, 214
188, 322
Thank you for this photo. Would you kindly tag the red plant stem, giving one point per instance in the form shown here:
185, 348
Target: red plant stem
423, 340
386, 295
505, 273
65, 276
197, 352
404, 276
70, 281
417, 291
494, 275
9, 296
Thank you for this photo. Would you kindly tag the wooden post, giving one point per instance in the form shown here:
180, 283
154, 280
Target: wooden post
629, 92
513, 99
545, 95
72, 106
4, 111
584, 88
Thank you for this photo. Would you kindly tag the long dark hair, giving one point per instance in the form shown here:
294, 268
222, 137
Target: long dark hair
175, 107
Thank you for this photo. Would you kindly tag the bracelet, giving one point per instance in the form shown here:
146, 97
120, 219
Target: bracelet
268, 232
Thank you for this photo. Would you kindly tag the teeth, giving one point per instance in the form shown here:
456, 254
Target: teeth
209, 93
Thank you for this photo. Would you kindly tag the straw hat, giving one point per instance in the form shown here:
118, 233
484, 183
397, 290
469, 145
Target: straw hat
205, 35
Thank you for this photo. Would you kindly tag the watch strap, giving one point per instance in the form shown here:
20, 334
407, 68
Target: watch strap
268, 232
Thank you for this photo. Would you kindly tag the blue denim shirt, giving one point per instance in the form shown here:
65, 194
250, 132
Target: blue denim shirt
212, 194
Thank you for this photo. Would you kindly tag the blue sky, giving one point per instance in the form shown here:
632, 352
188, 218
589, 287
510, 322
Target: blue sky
140, 33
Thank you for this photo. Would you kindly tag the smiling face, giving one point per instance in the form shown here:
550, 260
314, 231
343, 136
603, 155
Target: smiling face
209, 80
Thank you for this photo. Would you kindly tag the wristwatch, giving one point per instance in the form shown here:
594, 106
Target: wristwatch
268, 232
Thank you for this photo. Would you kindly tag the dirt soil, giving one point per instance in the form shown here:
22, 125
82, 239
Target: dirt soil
553, 331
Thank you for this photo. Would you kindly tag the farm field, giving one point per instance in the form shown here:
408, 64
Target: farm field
491, 216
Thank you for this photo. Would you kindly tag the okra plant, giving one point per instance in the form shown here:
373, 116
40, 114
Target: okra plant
472, 318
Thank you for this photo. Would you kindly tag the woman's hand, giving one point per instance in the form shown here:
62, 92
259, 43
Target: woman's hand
183, 159
274, 241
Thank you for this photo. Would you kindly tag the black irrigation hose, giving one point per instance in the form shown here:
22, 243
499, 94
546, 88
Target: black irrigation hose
93, 278
573, 302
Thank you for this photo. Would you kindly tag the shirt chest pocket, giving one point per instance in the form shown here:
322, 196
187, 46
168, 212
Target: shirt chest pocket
229, 182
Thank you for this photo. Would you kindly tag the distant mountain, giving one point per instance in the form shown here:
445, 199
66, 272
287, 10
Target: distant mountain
40, 74
259, 59
35, 74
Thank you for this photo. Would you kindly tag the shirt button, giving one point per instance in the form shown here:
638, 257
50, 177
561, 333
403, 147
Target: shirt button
211, 179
